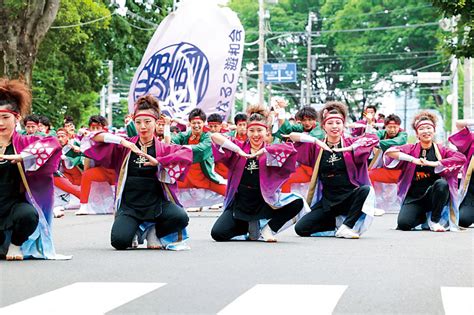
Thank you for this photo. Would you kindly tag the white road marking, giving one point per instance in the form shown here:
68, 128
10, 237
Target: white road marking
286, 299
82, 298
458, 300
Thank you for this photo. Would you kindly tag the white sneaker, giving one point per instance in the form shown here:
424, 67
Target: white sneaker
379, 212
267, 234
14, 253
83, 209
152, 241
436, 227
58, 212
345, 232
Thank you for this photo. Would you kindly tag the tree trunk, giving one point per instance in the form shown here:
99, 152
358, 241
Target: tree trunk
22, 28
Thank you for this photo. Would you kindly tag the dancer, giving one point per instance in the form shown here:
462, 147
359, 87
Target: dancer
240, 132
256, 173
340, 186
427, 186
27, 164
146, 187
201, 174
464, 141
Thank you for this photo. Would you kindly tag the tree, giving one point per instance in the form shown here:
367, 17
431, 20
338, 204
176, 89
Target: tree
463, 45
22, 28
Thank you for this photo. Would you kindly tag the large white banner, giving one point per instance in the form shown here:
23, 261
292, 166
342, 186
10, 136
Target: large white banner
193, 60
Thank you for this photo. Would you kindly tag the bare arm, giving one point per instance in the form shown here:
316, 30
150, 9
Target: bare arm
460, 124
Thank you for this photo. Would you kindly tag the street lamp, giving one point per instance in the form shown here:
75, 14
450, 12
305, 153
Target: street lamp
311, 17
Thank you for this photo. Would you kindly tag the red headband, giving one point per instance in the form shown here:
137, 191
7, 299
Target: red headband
214, 123
196, 118
425, 122
256, 123
145, 115
9, 112
31, 123
392, 122
61, 132
333, 116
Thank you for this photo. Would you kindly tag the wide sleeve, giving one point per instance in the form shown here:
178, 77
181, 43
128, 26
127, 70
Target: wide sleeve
278, 155
462, 140
174, 163
225, 156
37, 154
102, 153
306, 153
388, 162
451, 163
400, 139
318, 132
363, 147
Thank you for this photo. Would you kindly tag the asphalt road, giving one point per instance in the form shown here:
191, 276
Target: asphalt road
384, 272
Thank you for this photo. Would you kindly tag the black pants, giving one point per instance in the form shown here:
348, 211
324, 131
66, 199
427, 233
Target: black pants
319, 220
172, 219
226, 226
25, 220
466, 210
413, 213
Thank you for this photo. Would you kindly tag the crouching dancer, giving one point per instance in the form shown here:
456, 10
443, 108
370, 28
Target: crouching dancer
256, 173
147, 172
427, 186
27, 164
340, 188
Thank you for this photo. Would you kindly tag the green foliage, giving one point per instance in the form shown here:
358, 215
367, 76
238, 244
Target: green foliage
463, 45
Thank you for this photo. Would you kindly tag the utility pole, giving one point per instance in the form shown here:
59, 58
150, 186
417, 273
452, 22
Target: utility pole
110, 91
468, 98
261, 50
302, 99
454, 93
244, 88
309, 27
103, 93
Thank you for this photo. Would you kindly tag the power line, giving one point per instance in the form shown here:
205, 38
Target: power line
83, 23
137, 27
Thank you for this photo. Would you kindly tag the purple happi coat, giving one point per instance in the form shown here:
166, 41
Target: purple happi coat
464, 142
41, 156
451, 163
174, 162
356, 163
275, 167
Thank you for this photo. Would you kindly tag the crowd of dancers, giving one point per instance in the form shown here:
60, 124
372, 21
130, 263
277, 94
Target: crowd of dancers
256, 165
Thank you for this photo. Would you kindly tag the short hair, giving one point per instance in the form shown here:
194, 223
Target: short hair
34, 118
174, 129
98, 119
147, 102
215, 118
371, 106
307, 111
197, 112
68, 119
424, 115
334, 107
45, 121
392, 117
239, 117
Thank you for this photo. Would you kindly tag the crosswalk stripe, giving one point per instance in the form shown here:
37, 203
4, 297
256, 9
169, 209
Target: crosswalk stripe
82, 298
286, 299
458, 300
